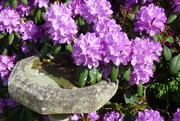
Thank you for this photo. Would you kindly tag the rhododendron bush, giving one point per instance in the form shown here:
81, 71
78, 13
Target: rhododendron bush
134, 41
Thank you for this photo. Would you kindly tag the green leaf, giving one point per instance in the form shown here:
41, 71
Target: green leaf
81, 21
132, 16
44, 50
170, 39
7, 3
140, 89
5, 51
10, 38
172, 17
1, 36
14, 4
114, 73
43, 16
174, 65
67, 1
155, 37
128, 97
167, 53
127, 73
17, 35
25, 2
69, 48
57, 49
99, 75
38, 15
82, 76
92, 76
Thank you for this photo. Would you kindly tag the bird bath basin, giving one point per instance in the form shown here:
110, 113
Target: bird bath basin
48, 91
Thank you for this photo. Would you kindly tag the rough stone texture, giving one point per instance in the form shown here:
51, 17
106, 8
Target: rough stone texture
41, 94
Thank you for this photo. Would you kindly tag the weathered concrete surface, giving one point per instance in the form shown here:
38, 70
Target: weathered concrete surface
42, 94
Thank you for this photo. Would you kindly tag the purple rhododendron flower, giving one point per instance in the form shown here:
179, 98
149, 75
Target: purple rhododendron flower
104, 26
46, 118
2, 104
112, 116
75, 117
176, 115
9, 20
176, 5
93, 116
23, 10
41, 3
132, 2
59, 23
87, 50
76, 6
149, 115
96, 9
6, 64
10, 102
152, 19
28, 31
144, 52
117, 48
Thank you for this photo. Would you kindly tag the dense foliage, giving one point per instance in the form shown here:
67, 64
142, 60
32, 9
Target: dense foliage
134, 41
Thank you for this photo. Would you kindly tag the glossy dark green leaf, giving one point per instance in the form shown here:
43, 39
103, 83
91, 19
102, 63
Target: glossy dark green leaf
82, 76
10, 38
99, 75
132, 17
38, 15
69, 48
155, 37
127, 73
80, 21
43, 16
1, 36
14, 4
5, 51
25, 2
140, 89
167, 53
57, 49
174, 65
172, 17
114, 73
44, 50
170, 39
17, 35
92, 76
128, 97
7, 3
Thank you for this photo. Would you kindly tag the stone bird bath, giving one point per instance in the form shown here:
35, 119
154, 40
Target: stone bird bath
46, 92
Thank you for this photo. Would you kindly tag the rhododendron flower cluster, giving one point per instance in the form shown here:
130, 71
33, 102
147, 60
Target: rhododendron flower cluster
59, 23
176, 115
6, 64
117, 48
87, 50
176, 5
9, 20
132, 2
41, 3
151, 19
28, 31
149, 115
143, 54
112, 116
